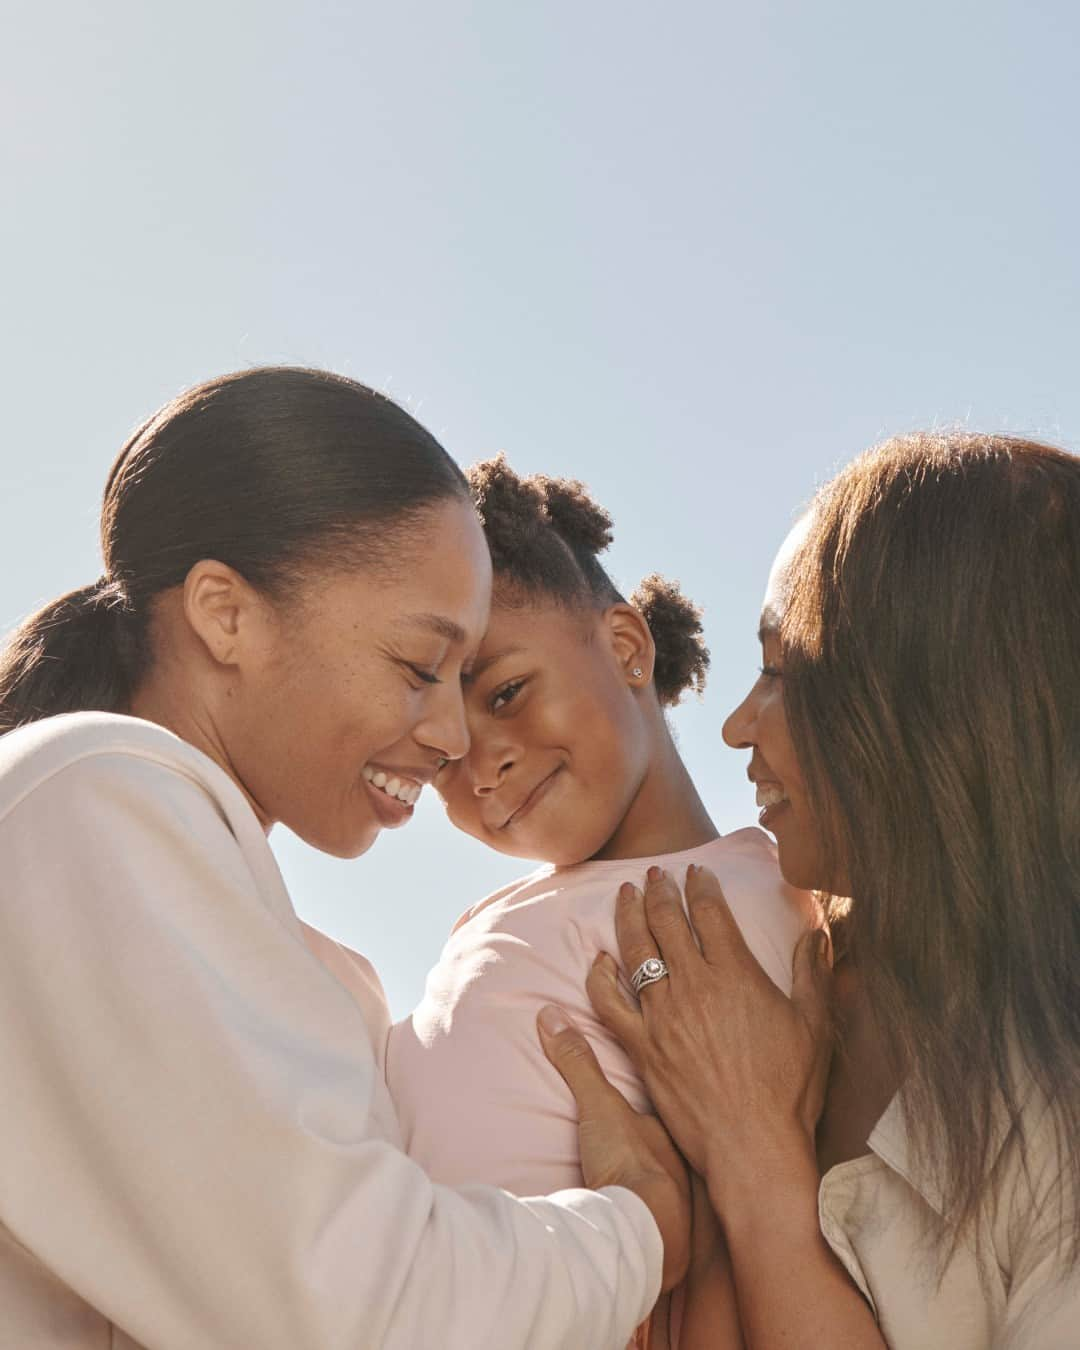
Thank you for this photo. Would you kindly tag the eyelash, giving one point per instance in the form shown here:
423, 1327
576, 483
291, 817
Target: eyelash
512, 689
425, 675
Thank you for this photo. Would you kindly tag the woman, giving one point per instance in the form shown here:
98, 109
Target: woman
198, 1147
915, 736
572, 760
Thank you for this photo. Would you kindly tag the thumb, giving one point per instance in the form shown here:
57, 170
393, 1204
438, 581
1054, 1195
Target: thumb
573, 1056
811, 982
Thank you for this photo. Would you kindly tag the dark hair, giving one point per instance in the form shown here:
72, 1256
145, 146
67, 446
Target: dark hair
268, 470
931, 647
545, 534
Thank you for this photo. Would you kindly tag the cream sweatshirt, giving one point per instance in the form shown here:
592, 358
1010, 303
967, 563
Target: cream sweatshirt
199, 1152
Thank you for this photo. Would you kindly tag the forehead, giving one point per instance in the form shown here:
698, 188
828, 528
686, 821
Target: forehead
529, 629
776, 588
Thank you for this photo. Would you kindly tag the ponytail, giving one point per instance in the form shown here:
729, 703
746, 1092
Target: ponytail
682, 658
272, 471
77, 653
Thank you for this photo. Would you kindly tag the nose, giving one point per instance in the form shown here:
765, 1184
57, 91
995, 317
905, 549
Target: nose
490, 760
739, 729
445, 729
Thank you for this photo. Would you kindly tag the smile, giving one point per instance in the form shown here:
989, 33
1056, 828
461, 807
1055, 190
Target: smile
770, 794
531, 800
404, 790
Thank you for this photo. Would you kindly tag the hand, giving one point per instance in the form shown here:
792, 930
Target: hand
620, 1147
736, 1070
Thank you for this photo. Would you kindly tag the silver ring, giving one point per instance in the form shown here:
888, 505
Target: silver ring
650, 970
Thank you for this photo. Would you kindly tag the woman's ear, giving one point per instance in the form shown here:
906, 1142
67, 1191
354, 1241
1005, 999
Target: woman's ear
224, 612
632, 643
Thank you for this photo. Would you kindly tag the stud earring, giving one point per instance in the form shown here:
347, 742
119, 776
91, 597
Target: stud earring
637, 672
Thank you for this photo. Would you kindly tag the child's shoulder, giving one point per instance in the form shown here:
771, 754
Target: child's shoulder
508, 894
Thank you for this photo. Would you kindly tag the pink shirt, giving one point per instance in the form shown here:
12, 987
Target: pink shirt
476, 1098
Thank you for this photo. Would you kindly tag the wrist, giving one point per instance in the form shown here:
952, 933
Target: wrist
765, 1180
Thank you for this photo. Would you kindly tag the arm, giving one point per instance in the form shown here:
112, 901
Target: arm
710, 1316
791, 1289
194, 1141
737, 1072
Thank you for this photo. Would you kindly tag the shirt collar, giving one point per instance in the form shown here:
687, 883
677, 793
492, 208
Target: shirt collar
890, 1141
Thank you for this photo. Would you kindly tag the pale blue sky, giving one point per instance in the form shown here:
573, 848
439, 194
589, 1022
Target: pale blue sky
696, 254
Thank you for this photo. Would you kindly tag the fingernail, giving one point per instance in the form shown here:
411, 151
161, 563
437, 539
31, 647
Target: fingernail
627, 891
691, 871
655, 874
553, 1020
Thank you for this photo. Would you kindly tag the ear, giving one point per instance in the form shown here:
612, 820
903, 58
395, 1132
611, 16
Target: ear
632, 643
225, 612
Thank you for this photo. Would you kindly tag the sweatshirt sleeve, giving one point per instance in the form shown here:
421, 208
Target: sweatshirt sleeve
191, 1144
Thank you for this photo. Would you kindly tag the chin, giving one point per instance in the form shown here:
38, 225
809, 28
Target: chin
349, 844
799, 867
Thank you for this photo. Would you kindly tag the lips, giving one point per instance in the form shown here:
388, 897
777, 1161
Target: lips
771, 798
532, 799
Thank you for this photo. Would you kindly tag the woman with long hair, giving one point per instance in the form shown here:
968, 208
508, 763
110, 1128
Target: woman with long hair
198, 1147
915, 744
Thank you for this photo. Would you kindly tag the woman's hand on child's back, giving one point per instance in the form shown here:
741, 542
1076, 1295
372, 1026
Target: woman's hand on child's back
736, 1069
620, 1147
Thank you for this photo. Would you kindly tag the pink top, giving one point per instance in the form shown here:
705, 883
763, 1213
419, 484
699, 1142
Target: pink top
476, 1099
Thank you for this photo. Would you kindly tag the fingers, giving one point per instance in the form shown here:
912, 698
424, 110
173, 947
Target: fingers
811, 982
719, 935
573, 1056
652, 923
667, 920
614, 1011
636, 942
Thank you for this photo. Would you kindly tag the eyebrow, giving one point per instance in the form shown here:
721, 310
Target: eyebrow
489, 660
438, 623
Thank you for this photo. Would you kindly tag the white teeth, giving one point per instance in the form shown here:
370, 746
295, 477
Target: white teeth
400, 788
770, 796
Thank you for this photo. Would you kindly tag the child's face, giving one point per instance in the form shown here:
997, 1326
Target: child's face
559, 747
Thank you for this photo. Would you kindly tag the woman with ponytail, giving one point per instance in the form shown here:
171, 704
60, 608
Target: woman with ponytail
572, 761
198, 1145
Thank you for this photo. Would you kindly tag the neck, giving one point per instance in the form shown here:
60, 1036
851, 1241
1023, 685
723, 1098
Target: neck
157, 701
666, 815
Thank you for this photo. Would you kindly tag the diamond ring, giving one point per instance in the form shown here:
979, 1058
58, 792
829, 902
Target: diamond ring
651, 970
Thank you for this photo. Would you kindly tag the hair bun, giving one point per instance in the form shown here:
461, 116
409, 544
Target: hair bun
509, 507
584, 525
682, 659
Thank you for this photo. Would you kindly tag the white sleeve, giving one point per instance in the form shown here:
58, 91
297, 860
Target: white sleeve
191, 1147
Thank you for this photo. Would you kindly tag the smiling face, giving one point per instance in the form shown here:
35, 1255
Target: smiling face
347, 697
559, 749
760, 725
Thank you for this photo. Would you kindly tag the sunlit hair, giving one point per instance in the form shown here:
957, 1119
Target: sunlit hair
932, 681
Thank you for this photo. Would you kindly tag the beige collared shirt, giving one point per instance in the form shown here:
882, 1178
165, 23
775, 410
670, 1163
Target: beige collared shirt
874, 1211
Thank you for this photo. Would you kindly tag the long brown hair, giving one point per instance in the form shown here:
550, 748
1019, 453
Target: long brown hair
932, 683
269, 470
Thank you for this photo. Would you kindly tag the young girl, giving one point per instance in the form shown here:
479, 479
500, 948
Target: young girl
572, 760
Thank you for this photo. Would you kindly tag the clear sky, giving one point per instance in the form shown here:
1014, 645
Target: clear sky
695, 254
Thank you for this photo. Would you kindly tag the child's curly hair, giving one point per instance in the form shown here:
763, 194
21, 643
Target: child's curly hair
545, 534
